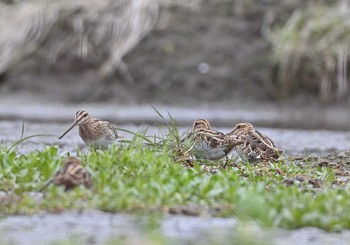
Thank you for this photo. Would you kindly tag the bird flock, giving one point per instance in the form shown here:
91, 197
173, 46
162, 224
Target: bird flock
206, 143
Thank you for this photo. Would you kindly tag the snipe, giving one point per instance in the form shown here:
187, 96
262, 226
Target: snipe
255, 145
94, 132
209, 143
72, 174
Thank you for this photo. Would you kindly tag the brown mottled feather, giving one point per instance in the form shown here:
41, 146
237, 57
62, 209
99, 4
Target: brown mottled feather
255, 146
71, 175
208, 143
94, 132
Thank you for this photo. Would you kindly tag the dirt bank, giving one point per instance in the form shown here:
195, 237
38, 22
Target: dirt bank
204, 52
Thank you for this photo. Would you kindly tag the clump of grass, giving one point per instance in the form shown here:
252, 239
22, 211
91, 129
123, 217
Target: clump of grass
311, 50
173, 142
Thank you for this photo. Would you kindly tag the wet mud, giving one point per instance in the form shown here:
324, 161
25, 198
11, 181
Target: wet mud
95, 227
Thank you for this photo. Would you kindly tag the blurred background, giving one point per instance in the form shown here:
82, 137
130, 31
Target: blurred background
278, 64
275, 63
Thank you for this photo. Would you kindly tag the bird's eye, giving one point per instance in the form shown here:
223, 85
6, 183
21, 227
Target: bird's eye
85, 115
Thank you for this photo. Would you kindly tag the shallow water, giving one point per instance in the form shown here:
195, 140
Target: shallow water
268, 115
293, 141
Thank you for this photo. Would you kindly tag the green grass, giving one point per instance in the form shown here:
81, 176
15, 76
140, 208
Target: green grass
134, 178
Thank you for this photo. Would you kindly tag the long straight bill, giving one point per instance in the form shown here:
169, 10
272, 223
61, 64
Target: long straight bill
69, 129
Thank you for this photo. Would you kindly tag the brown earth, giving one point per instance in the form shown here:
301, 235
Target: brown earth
205, 52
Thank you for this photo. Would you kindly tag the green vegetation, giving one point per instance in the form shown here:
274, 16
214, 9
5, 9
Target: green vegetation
137, 178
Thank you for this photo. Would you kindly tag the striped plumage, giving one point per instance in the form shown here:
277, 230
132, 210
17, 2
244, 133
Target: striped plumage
255, 145
94, 132
71, 175
208, 143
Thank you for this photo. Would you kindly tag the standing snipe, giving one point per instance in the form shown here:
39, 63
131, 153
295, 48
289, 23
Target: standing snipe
208, 143
71, 175
255, 145
94, 132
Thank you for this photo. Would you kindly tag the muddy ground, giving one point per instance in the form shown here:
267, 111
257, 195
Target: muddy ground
94, 227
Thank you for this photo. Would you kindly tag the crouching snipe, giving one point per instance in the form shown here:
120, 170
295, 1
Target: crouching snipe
71, 175
255, 145
209, 143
